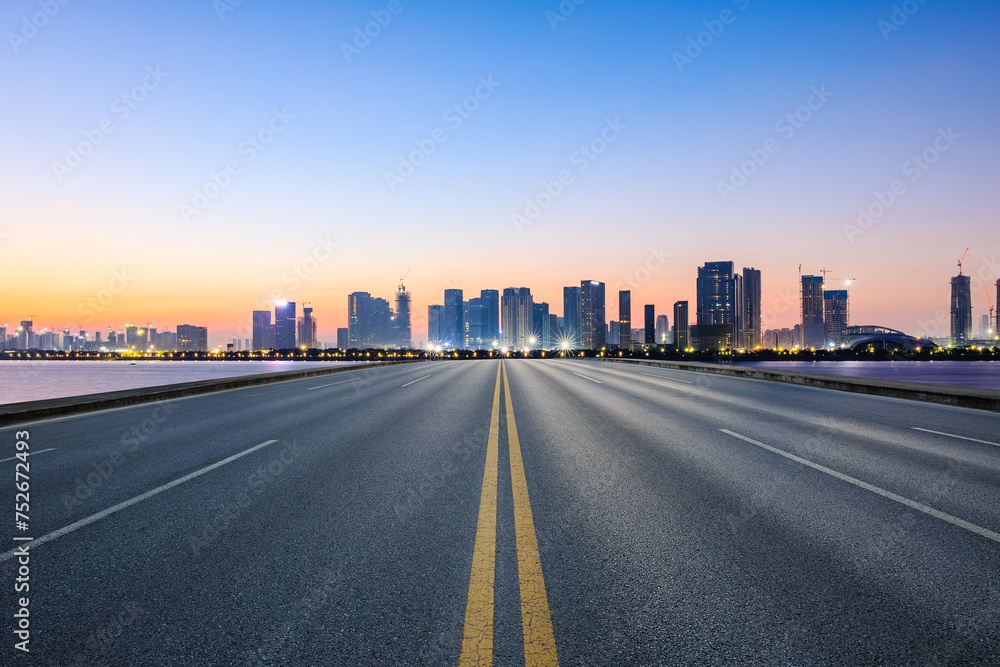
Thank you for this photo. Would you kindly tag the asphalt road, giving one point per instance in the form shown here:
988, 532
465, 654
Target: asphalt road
441, 513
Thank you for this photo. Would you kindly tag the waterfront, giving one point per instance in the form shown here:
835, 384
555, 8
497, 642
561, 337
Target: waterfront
980, 374
41, 379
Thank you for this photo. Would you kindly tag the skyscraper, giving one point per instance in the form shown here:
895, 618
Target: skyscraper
454, 319
369, 321
961, 310
343, 339
649, 335
681, 323
401, 321
284, 325
625, 319
435, 320
491, 317
719, 308
663, 330
517, 314
571, 316
812, 312
541, 327
751, 308
263, 332
307, 329
593, 326
835, 317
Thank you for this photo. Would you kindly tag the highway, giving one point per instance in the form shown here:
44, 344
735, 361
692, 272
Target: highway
539, 512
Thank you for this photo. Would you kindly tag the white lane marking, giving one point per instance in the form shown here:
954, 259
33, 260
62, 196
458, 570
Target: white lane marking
961, 523
952, 435
415, 381
40, 451
128, 503
328, 385
587, 378
664, 377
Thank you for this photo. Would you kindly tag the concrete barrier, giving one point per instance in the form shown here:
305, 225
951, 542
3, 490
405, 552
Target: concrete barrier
20, 413
965, 397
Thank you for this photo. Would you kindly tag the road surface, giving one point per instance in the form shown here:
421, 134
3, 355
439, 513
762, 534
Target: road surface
550, 512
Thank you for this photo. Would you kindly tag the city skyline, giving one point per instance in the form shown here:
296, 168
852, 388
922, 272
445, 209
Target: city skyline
850, 138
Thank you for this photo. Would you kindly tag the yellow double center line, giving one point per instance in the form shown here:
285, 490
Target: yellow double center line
477, 639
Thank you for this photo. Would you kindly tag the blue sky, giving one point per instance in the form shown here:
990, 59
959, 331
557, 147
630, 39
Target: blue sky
324, 174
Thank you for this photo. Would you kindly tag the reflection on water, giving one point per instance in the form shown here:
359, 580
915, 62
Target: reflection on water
982, 374
36, 380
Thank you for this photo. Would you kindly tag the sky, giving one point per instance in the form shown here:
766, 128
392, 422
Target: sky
189, 162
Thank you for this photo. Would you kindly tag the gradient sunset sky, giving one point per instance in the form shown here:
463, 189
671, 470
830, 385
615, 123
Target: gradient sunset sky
894, 81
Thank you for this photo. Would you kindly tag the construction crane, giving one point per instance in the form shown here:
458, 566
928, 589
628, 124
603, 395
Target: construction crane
405, 274
962, 261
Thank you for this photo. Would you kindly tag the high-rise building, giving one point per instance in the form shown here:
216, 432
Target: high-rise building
556, 337
649, 335
719, 306
284, 325
681, 323
751, 308
985, 328
517, 314
369, 321
835, 317
663, 330
614, 336
625, 319
307, 329
263, 332
454, 319
343, 339
571, 317
961, 310
996, 322
475, 313
812, 312
541, 327
3, 338
435, 323
593, 327
401, 320
191, 338
491, 317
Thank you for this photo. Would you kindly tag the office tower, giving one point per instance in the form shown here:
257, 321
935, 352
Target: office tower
369, 321
593, 327
343, 339
401, 321
719, 309
571, 317
556, 336
614, 335
625, 319
541, 327
984, 327
812, 312
681, 332
517, 314
454, 319
662, 334
435, 322
751, 308
284, 325
307, 329
263, 332
649, 335
475, 313
961, 310
191, 338
491, 317
835, 317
